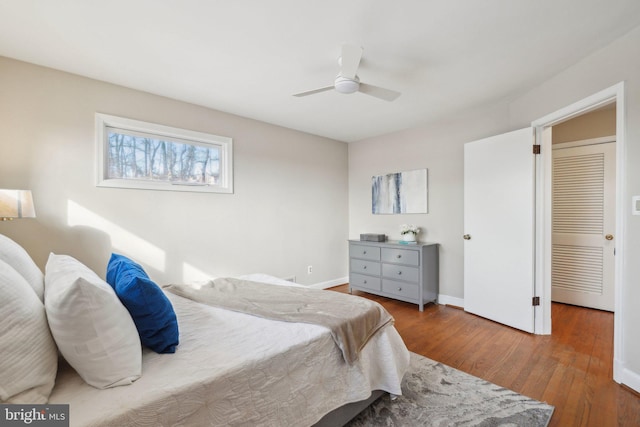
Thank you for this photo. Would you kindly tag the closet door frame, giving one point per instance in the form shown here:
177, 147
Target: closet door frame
613, 94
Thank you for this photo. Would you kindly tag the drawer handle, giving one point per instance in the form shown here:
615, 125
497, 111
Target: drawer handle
399, 256
400, 289
365, 282
364, 252
364, 267
399, 273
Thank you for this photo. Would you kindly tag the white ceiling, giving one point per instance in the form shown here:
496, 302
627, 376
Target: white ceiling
248, 57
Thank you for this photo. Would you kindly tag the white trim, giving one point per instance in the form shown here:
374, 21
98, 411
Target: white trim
629, 378
102, 121
542, 313
621, 156
590, 103
543, 214
584, 142
330, 283
448, 300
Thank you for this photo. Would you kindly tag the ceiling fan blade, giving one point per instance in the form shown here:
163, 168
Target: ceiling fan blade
311, 92
350, 60
379, 92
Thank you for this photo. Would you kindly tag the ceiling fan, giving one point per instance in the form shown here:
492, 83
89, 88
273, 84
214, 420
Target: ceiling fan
347, 81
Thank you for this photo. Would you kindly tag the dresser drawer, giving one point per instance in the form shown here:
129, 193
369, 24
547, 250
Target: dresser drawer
364, 252
407, 290
362, 281
365, 267
401, 256
401, 272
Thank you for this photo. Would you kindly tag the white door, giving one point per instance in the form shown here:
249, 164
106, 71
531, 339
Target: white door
582, 266
499, 202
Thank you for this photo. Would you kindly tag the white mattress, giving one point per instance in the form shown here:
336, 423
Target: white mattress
235, 369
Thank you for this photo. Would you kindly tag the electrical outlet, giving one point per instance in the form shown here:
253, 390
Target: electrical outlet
635, 205
309, 269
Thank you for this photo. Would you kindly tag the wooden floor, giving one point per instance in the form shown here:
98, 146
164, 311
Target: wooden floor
571, 369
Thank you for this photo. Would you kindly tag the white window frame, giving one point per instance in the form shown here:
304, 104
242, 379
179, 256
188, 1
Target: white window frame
225, 145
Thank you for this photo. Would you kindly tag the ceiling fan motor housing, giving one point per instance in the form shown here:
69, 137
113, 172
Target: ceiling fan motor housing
346, 85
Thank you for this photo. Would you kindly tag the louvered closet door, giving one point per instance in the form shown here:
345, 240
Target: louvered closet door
583, 243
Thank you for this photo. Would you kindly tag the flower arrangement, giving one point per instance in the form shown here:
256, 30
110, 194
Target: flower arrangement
409, 229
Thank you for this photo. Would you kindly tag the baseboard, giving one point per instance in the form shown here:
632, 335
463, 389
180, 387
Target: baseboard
330, 283
630, 379
447, 300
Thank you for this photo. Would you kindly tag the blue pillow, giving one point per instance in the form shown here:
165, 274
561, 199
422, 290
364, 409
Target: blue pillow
149, 307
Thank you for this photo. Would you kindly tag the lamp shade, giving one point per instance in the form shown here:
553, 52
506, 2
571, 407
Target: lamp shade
16, 204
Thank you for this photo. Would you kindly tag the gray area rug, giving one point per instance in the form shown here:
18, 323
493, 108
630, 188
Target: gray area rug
438, 395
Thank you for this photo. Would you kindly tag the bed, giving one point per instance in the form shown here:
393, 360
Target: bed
232, 368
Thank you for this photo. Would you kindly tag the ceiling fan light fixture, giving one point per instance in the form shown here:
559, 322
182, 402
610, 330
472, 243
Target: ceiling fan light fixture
345, 85
347, 80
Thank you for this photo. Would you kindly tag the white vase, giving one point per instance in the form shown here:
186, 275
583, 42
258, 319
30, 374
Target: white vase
408, 237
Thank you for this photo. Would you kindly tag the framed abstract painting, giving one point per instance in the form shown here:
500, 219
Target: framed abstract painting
400, 193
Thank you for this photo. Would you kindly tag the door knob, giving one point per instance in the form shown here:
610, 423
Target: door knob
609, 237
467, 237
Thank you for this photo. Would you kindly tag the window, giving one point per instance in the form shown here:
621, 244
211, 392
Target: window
135, 154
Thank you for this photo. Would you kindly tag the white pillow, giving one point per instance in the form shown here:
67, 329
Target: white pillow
93, 330
15, 255
28, 355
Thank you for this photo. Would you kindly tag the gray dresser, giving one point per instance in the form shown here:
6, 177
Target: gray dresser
404, 272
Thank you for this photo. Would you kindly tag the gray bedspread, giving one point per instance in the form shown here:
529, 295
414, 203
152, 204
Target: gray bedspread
352, 320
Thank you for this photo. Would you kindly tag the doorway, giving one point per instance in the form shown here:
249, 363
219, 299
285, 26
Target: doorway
541, 225
583, 210
544, 231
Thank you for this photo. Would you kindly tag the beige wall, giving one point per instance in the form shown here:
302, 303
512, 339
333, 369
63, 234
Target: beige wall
289, 209
595, 124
